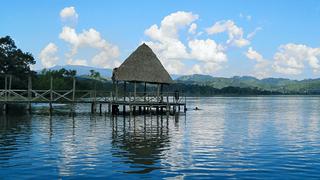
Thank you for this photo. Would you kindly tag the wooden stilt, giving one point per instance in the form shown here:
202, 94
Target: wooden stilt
134, 110
100, 109
140, 109
29, 93
72, 110
130, 110
109, 108
51, 95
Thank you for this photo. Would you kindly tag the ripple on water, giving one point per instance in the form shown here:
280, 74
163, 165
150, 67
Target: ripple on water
231, 137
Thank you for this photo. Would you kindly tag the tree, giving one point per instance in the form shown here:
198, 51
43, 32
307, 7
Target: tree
94, 74
13, 60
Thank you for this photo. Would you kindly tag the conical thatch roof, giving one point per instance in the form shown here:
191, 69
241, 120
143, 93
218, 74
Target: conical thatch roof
142, 66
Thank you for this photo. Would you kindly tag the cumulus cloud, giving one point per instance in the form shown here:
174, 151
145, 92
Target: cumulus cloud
291, 59
48, 55
235, 33
166, 39
192, 28
172, 50
69, 14
207, 50
262, 68
107, 55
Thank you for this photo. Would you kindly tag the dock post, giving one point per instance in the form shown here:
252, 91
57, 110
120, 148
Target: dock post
109, 109
73, 95
185, 104
29, 93
140, 109
134, 110
5, 90
130, 110
93, 107
100, 109
51, 96
5, 108
10, 83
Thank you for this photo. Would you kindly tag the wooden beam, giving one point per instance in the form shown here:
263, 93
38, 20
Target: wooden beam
73, 88
51, 95
29, 92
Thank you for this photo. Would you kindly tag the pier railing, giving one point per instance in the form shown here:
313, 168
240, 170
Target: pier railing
74, 96
58, 96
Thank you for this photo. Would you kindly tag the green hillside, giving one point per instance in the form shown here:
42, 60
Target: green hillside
269, 84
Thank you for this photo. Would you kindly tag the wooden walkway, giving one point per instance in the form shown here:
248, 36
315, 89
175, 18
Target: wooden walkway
133, 101
145, 101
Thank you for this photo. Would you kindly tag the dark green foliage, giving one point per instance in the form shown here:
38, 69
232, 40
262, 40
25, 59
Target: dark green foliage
13, 60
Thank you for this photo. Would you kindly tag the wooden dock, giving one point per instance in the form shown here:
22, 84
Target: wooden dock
129, 102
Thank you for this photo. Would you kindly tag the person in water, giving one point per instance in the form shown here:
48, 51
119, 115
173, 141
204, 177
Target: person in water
196, 108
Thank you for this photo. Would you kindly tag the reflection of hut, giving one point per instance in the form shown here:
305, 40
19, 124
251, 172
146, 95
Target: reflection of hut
141, 144
142, 66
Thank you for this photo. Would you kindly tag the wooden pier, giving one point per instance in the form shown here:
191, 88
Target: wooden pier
142, 66
129, 102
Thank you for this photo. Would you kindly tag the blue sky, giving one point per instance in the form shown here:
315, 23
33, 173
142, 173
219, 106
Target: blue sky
263, 39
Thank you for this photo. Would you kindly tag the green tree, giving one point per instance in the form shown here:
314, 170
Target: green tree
13, 60
94, 74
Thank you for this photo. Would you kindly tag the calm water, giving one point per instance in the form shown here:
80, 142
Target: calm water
238, 137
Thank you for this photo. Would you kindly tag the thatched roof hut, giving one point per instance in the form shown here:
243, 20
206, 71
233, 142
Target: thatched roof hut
142, 66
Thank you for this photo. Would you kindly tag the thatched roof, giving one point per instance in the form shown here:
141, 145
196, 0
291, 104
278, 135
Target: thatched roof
142, 66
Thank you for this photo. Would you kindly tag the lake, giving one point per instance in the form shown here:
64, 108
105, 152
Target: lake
230, 137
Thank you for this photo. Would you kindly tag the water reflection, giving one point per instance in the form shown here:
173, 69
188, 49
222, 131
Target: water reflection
238, 137
13, 131
140, 141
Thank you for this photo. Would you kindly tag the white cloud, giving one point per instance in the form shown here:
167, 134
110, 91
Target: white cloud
69, 13
254, 55
166, 39
48, 55
193, 28
262, 68
235, 33
207, 50
291, 58
171, 50
253, 33
107, 55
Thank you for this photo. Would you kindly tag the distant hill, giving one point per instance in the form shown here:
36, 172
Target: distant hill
282, 85
196, 78
268, 84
